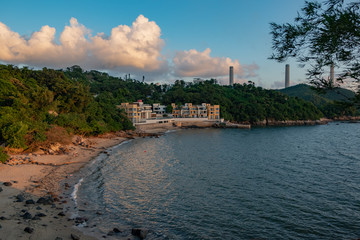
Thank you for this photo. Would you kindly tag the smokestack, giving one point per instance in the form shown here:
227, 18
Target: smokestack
287, 75
231, 76
332, 78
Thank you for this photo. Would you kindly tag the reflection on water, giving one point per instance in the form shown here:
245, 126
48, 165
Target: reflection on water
272, 183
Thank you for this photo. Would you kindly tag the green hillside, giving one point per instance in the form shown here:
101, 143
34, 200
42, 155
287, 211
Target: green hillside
332, 102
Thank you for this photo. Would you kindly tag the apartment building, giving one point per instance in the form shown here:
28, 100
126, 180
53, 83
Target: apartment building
139, 112
196, 111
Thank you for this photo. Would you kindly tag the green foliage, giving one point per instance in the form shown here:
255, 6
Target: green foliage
31, 101
332, 102
322, 34
3, 155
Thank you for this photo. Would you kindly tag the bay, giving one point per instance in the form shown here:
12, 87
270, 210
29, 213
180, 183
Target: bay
264, 183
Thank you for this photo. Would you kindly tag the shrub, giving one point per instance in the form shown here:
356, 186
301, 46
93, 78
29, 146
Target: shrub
3, 155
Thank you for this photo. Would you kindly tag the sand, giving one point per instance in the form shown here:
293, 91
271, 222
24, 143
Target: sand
36, 180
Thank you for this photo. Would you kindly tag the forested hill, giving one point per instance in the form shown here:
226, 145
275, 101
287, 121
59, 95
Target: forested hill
332, 102
35, 103
240, 103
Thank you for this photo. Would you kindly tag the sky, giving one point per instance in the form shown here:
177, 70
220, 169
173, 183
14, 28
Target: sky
163, 40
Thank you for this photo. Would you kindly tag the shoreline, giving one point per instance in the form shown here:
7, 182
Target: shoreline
45, 176
54, 177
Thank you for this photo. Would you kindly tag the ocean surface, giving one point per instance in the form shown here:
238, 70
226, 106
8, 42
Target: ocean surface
264, 183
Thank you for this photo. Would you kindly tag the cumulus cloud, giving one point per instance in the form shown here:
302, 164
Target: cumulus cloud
138, 46
193, 63
200, 64
41, 48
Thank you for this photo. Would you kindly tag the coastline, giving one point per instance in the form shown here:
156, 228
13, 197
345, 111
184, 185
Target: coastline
52, 177
42, 177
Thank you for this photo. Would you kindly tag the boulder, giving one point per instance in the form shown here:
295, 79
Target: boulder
45, 201
30, 201
28, 229
27, 215
141, 233
74, 237
20, 198
7, 184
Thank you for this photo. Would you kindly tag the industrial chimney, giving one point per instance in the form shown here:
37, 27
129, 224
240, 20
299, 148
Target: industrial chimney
332, 77
231, 76
287, 75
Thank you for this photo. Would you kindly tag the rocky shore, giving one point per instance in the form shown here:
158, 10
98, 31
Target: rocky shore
35, 191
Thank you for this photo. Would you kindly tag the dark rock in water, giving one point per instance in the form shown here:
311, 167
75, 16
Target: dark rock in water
1, 189
111, 233
36, 218
141, 233
61, 214
8, 184
116, 230
3, 218
27, 215
40, 215
0, 226
45, 201
30, 201
38, 208
58, 238
81, 220
20, 198
74, 237
28, 229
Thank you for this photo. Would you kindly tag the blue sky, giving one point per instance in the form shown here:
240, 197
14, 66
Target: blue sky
233, 31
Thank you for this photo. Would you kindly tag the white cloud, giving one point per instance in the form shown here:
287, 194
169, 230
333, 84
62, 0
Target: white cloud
134, 49
193, 63
200, 64
138, 47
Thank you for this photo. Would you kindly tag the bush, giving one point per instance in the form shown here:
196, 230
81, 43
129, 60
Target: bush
3, 155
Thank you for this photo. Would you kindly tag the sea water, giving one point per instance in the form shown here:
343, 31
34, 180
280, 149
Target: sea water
264, 183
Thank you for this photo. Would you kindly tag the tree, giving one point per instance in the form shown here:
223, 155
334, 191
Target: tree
322, 35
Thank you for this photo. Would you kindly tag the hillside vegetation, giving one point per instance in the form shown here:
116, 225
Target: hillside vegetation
240, 103
33, 102
38, 105
332, 102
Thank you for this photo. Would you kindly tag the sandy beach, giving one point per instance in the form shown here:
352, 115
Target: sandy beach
35, 189
22, 214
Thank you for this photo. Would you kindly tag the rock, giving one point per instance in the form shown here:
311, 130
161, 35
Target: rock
30, 201
1, 189
45, 201
40, 215
67, 186
3, 218
36, 218
111, 233
0, 226
28, 229
74, 237
27, 215
141, 233
58, 238
116, 230
20, 198
7, 184
61, 214
38, 208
